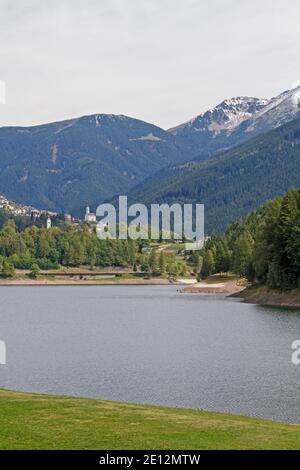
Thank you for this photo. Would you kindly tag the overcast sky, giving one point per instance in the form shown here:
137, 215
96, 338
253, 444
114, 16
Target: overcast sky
163, 61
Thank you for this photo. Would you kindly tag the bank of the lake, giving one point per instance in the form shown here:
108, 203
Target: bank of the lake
80, 277
32, 421
262, 295
56, 281
225, 284
233, 286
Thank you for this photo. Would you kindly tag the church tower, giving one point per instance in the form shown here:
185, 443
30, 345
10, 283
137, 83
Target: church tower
87, 214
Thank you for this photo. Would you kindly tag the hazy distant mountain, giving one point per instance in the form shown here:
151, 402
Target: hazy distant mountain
234, 121
234, 182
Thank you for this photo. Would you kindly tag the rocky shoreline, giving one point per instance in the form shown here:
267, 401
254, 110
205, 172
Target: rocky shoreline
264, 296
260, 295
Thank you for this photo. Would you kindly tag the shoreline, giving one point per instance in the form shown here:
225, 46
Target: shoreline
270, 298
229, 286
58, 422
215, 285
93, 282
80, 277
127, 282
28, 393
237, 288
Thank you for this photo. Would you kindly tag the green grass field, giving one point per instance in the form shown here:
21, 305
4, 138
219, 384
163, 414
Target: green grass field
30, 421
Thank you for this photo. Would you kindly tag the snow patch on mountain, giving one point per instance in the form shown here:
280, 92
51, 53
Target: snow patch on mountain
242, 115
278, 110
150, 137
296, 98
227, 116
106, 118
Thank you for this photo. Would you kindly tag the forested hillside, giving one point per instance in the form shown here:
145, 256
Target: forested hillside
264, 246
65, 166
234, 182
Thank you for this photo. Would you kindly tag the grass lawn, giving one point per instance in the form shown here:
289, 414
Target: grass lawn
30, 421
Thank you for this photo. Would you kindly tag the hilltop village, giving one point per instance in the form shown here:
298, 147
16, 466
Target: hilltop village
24, 210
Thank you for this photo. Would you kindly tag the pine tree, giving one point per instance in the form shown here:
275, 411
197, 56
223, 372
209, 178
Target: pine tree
162, 263
8, 269
35, 270
153, 261
242, 253
284, 250
208, 264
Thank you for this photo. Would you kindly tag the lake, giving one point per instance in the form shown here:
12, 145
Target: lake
150, 344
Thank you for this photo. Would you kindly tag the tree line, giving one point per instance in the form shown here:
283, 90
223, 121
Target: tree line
69, 246
263, 247
34, 248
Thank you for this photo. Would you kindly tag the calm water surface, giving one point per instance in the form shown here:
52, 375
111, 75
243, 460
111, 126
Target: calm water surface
150, 344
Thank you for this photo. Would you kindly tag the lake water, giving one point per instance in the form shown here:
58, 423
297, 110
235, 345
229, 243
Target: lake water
150, 344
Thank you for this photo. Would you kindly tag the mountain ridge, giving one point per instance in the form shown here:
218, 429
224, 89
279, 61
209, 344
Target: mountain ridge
234, 121
225, 116
233, 182
66, 165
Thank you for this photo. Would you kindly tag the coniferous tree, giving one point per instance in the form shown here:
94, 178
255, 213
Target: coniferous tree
242, 253
162, 263
153, 261
208, 267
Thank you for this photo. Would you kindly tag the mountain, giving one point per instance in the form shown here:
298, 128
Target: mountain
276, 112
64, 166
233, 122
233, 182
224, 117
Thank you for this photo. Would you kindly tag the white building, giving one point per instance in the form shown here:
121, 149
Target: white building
89, 216
48, 223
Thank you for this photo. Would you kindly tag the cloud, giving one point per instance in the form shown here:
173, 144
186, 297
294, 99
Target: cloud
2, 92
295, 84
160, 60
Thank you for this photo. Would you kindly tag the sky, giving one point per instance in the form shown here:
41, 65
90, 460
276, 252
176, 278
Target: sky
162, 61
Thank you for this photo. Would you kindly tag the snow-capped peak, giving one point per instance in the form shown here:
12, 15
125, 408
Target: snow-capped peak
279, 110
226, 116
245, 114
232, 112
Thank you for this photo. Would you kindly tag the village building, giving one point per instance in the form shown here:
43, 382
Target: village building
89, 217
68, 217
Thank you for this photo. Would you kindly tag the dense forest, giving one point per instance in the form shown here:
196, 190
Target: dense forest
34, 248
67, 246
264, 246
